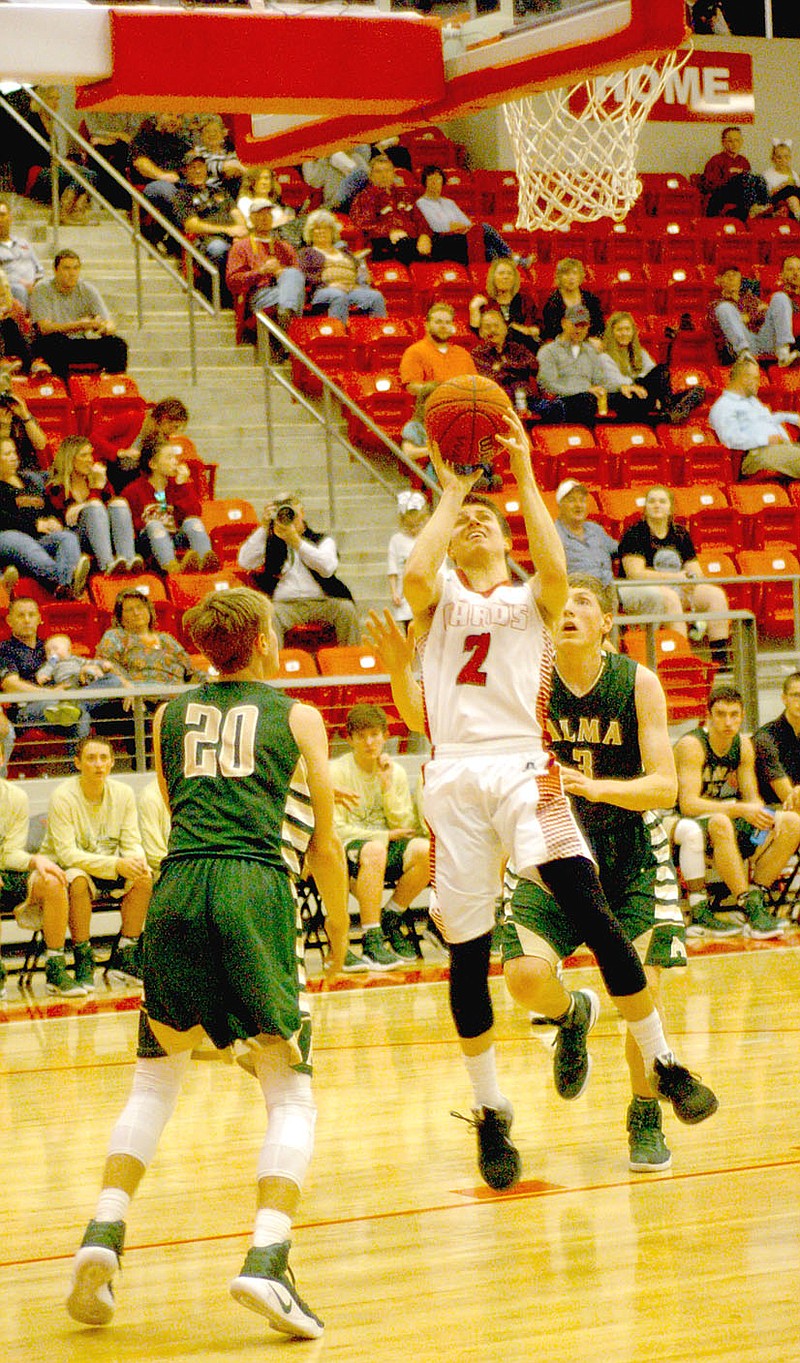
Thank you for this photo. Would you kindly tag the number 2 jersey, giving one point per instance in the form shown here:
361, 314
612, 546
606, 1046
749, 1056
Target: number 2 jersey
487, 667
235, 775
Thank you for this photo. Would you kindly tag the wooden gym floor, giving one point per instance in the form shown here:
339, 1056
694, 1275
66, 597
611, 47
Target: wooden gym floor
398, 1244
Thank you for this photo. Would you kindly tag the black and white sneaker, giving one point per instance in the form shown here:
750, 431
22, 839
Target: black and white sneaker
691, 1101
498, 1158
266, 1285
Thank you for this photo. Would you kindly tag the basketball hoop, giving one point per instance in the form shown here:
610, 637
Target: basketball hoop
575, 148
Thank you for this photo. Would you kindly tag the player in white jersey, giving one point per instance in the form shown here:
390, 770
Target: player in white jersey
493, 791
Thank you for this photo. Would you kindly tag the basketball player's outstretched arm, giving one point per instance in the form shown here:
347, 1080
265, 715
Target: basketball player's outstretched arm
546, 549
657, 787
396, 651
325, 855
421, 586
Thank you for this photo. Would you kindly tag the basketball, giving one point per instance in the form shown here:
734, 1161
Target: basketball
463, 416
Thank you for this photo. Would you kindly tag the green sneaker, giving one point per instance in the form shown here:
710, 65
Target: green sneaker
572, 1062
392, 929
376, 954
124, 964
59, 981
91, 1298
648, 1149
691, 1101
760, 922
266, 1285
704, 922
353, 964
498, 1158
83, 963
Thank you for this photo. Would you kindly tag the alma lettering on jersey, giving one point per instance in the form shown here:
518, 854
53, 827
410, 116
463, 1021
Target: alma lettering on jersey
562, 730
482, 614
720, 783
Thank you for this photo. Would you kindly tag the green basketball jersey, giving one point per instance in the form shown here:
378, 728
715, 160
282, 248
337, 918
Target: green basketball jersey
720, 774
235, 776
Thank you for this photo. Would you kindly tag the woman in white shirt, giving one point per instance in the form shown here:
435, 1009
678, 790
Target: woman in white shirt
782, 180
643, 388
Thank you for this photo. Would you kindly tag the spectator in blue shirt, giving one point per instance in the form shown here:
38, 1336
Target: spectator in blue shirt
743, 423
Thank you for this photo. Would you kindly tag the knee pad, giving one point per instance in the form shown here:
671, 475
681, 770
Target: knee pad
291, 1117
690, 839
470, 1000
156, 1084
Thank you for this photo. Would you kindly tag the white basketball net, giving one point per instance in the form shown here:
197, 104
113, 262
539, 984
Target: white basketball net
577, 167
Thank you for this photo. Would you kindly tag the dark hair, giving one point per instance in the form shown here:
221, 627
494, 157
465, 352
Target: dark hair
152, 443
366, 717
731, 128
65, 255
92, 738
168, 409
133, 593
474, 499
427, 171
225, 626
724, 693
792, 677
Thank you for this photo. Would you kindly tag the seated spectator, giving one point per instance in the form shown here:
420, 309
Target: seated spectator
388, 217
642, 389
261, 182
93, 834
140, 652
74, 202
63, 668
340, 176
722, 812
18, 424
504, 291
591, 551
79, 495
17, 257
569, 293
377, 823
449, 224
777, 749
33, 885
782, 181
497, 356
154, 825
434, 359
156, 158
73, 324
412, 514
223, 165
571, 370
656, 550
265, 270
743, 423
790, 285
740, 322
167, 419
295, 567
166, 513
207, 213
414, 437
337, 283
21, 657
112, 134
32, 541
729, 182
708, 16
15, 352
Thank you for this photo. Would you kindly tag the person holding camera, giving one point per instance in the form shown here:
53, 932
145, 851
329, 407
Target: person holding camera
295, 566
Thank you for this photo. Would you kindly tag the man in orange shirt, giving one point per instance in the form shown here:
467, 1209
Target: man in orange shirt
434, 359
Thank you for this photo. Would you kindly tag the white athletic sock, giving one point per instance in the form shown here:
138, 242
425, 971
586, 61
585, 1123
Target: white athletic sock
271, 1227
112, 1204
391, 904
649, 1037
482, 1070
696, 897
128, 941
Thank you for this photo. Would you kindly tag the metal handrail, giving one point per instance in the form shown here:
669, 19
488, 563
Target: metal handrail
132, 227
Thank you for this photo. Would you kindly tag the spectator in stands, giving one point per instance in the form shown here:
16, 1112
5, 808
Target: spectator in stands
720, 807
790, 285
154, 825
377, 823
782, 179
262, 183
63, 668
79, 495
207, 212
777, 750
708, 16
505, 360
434, 359
504, 290
223, 165
32, 541
17, 257
412, 514
15, 352
656, 550
741, 323
264, 269
34, 886
17, 423
339, 176
569, 293
167, 419
139, 651
449, 224
743, 423
73, 324
388, 216
74, 202
295, 567
571, 370
156, 158
93, 833
111, 134
21, 657
641, 388
591, 551
166, 513
729, 182
337, 283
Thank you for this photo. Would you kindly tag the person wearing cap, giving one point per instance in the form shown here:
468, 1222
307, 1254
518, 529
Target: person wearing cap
206, 212
590, 550
264, 269
412, 512
571, 369
569, 291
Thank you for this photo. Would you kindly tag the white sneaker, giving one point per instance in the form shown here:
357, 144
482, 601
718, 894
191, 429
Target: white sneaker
91, 1298
787, 356
266, 1285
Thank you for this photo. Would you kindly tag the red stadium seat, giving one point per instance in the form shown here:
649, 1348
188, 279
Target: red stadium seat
50, 403
686, 680
114, 415
187, 589
499, 193
229, 522
379, 342
385, 400
105, 590
442, 282
669, 643
392, 279
714, 564
773, 599
625, 245
295, 662
716, 527
690, 499
620, 507
77, 619
568, 452
326, 343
